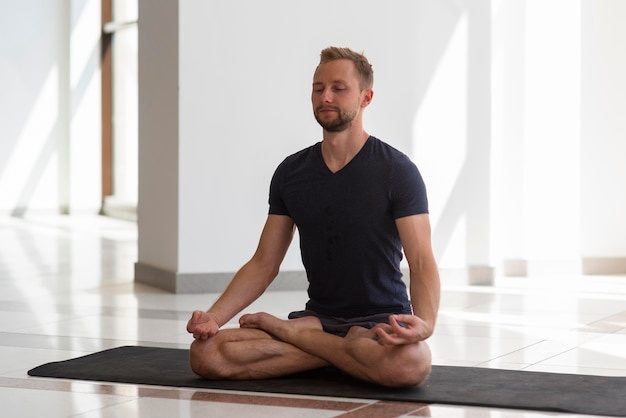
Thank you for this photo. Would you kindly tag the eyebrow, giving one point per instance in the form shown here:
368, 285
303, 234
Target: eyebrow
332, 82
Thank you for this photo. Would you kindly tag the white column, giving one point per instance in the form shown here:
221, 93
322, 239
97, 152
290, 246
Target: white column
508, 43
157, 208
83, 185
603, 127
479, 156
204, 169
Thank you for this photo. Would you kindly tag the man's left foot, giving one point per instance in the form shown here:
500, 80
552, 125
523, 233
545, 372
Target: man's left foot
280, 328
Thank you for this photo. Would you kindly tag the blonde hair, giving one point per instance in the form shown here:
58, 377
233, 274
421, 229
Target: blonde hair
363, 67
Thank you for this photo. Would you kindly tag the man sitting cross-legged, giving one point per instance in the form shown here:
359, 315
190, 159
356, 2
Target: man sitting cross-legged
358, 204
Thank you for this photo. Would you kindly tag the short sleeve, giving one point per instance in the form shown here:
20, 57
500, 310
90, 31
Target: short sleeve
408, 191
276, 203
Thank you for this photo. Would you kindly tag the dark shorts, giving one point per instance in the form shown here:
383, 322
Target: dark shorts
341, 326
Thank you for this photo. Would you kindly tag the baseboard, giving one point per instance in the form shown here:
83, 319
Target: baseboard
584, 265
515, 267
117, 208
604, 265
481, 275
467, 276
181, 283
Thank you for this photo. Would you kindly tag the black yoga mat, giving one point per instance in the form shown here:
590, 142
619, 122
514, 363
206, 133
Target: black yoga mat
470, 386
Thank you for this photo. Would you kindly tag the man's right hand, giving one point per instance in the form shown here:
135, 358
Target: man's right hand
202, 325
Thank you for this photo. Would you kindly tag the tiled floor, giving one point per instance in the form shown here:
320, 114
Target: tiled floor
66, 289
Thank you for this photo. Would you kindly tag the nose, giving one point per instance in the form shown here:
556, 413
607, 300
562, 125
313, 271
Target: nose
326, 95
322, 94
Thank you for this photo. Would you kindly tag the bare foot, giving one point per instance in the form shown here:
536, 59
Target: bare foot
371, 333
280, 328
360, 332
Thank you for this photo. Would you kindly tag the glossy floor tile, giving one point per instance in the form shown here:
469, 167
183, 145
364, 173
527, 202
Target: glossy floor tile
66, 290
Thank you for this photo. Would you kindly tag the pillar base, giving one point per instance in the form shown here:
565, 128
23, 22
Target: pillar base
515, 267
604, 265
470, 275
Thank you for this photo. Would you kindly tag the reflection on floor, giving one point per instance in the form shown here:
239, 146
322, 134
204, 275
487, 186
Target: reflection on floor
66, 289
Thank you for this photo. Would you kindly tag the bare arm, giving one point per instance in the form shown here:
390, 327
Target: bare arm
424, 285
424, 275
250, 281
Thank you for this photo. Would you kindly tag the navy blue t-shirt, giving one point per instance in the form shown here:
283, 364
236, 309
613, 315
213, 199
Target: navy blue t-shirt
349, 242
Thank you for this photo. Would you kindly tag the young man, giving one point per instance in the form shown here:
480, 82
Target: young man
357, 204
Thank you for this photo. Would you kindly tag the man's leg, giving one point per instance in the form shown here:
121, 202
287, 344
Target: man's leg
358, 354
246, 353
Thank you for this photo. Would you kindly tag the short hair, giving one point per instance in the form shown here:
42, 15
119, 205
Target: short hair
363, 67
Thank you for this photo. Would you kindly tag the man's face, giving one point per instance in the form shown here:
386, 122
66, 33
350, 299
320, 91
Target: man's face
336, 95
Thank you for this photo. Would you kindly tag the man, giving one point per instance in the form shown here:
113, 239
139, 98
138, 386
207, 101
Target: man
357, 203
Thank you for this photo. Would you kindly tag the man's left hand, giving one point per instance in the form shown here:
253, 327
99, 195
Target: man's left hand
414, 330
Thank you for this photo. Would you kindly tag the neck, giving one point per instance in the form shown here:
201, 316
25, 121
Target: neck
338, 148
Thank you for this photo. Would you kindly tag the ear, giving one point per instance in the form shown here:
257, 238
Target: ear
368, 95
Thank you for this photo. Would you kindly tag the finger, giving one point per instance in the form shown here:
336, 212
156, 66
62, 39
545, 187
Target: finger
200, 336
397, 328
410, 320
396, 334
381, 335
385, 338
195, 316
191, 326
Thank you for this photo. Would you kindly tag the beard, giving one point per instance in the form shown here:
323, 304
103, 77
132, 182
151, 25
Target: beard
342, 122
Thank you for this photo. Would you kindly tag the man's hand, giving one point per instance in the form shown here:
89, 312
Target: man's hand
202, 325
414, 330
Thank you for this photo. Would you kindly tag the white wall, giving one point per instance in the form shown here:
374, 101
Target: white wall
244, 106
50, 106
452, 128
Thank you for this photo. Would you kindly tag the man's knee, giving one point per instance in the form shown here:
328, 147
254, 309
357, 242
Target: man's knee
412, 369
406, 376
206, 360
